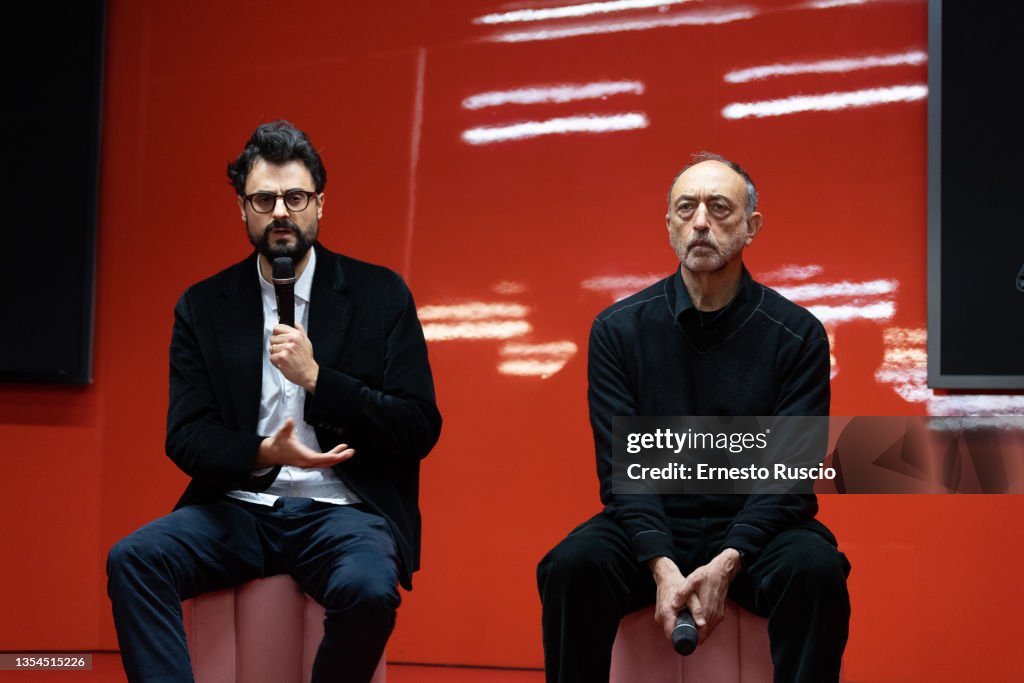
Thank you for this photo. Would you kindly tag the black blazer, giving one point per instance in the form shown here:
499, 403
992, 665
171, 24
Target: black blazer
374, 391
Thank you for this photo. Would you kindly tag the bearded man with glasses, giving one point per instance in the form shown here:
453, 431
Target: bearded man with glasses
303, 447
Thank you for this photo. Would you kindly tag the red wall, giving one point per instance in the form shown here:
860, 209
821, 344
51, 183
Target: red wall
553, 228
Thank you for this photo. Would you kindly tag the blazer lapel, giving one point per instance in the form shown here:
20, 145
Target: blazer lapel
239, 328
330, 311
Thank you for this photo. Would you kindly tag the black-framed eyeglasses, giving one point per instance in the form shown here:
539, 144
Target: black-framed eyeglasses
294, 200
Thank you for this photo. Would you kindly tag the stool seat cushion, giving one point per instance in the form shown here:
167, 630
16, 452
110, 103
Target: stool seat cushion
738, 651
264, 631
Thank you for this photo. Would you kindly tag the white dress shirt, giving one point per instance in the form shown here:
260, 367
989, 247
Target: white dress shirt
279, 400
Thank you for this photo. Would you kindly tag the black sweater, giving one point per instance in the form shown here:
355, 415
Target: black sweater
655, 354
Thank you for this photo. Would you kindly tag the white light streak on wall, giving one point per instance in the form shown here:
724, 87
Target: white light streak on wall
837, 289
509, 287
828, 102
689, 19
905, 363
606, 283
557, 126
793, 272
909, 383
842, 65
905, 368
620, 286
906, 357
475, 330
530, 368
905, 336
560, 349
567, 92
836, 314
535, 360
829, 4
474, 320
569, 11
475, 310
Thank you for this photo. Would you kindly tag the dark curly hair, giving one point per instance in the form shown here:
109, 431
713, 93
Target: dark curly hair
277, 142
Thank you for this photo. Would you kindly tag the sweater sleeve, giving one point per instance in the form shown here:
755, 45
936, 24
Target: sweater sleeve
610, 394
804, 390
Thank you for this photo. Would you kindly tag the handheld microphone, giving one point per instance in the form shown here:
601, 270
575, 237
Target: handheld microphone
284, 288
684, 635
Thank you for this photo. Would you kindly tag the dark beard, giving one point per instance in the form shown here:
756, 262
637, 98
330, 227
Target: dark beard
272, 250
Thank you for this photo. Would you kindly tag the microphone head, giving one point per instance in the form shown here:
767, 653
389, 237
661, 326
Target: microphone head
284, 268
684, 635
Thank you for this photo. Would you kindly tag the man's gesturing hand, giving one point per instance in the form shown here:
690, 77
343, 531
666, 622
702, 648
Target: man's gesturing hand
284, 448
292, 353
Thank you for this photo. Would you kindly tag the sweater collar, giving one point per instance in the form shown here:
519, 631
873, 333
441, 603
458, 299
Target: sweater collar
682, 304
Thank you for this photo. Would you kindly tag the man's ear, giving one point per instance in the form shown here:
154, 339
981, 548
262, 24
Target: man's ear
754, 223
241, 206
320, 206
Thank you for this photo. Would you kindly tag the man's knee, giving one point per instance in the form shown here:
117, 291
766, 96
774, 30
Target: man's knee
815, 566
574, 562
130, 556
364, 588
147, 557
824, 565
555, 564
363, 600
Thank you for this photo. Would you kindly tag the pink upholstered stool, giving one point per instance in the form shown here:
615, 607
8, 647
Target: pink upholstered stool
737, 652
264, 631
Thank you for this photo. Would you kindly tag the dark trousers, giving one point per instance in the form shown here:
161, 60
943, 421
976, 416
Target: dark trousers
342, 556
590, 580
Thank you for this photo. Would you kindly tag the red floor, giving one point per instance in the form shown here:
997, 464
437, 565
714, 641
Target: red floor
107, 669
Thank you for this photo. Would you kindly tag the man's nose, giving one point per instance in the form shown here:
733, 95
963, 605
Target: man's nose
280, 210
700, 217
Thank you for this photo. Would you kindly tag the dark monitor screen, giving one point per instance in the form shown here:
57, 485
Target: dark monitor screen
975, 191
48, 266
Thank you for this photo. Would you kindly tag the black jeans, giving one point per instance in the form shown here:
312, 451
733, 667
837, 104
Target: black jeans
342, 556
590, 580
